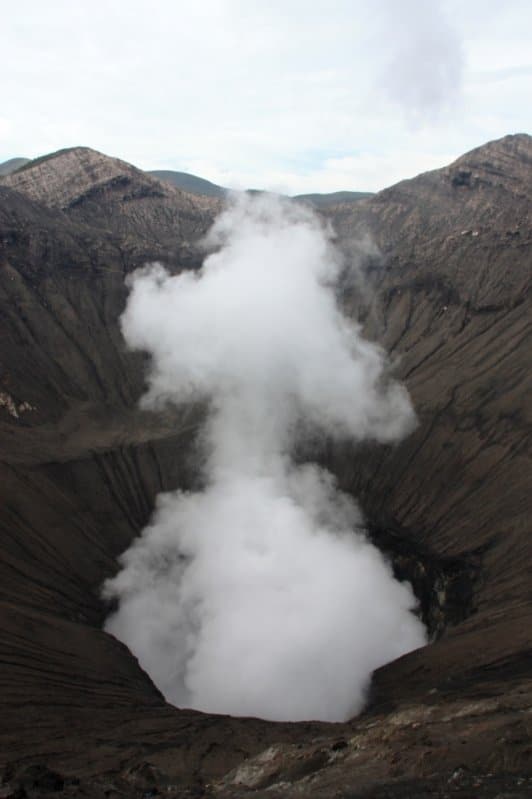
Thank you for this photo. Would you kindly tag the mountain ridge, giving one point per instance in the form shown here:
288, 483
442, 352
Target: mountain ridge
184, 181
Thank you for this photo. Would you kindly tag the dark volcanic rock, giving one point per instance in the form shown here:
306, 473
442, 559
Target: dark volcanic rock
80, 466
452, 302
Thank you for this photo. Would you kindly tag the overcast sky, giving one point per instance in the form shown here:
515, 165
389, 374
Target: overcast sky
288, 95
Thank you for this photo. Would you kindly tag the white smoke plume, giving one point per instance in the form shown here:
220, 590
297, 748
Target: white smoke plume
260, 595
424, 69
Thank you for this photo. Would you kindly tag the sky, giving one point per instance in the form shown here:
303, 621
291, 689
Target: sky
288, 96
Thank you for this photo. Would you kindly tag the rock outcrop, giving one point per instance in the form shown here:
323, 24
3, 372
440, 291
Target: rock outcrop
448, 294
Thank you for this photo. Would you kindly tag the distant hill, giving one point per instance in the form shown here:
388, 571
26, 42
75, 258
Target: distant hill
190, 183
7, 167
333, 198
201, 187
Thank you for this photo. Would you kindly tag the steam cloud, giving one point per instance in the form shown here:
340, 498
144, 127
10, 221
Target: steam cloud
260, 594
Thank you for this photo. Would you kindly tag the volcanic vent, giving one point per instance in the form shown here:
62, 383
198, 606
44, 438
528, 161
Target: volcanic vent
260, 595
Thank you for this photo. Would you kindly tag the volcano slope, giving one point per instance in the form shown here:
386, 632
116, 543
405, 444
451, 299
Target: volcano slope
447, 292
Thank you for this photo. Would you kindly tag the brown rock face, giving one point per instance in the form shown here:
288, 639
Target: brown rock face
80, 465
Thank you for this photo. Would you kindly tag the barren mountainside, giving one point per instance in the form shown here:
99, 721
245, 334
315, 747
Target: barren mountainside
447, 263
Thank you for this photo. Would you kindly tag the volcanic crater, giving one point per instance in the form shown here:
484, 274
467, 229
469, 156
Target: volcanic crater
447, 294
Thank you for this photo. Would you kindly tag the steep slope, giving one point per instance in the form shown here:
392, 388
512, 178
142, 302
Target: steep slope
452, 302
80, 466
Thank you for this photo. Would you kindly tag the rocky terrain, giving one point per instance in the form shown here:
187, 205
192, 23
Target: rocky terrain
447, 263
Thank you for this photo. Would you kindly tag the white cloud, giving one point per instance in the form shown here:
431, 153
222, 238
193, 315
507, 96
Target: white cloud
423, 70
266, 94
